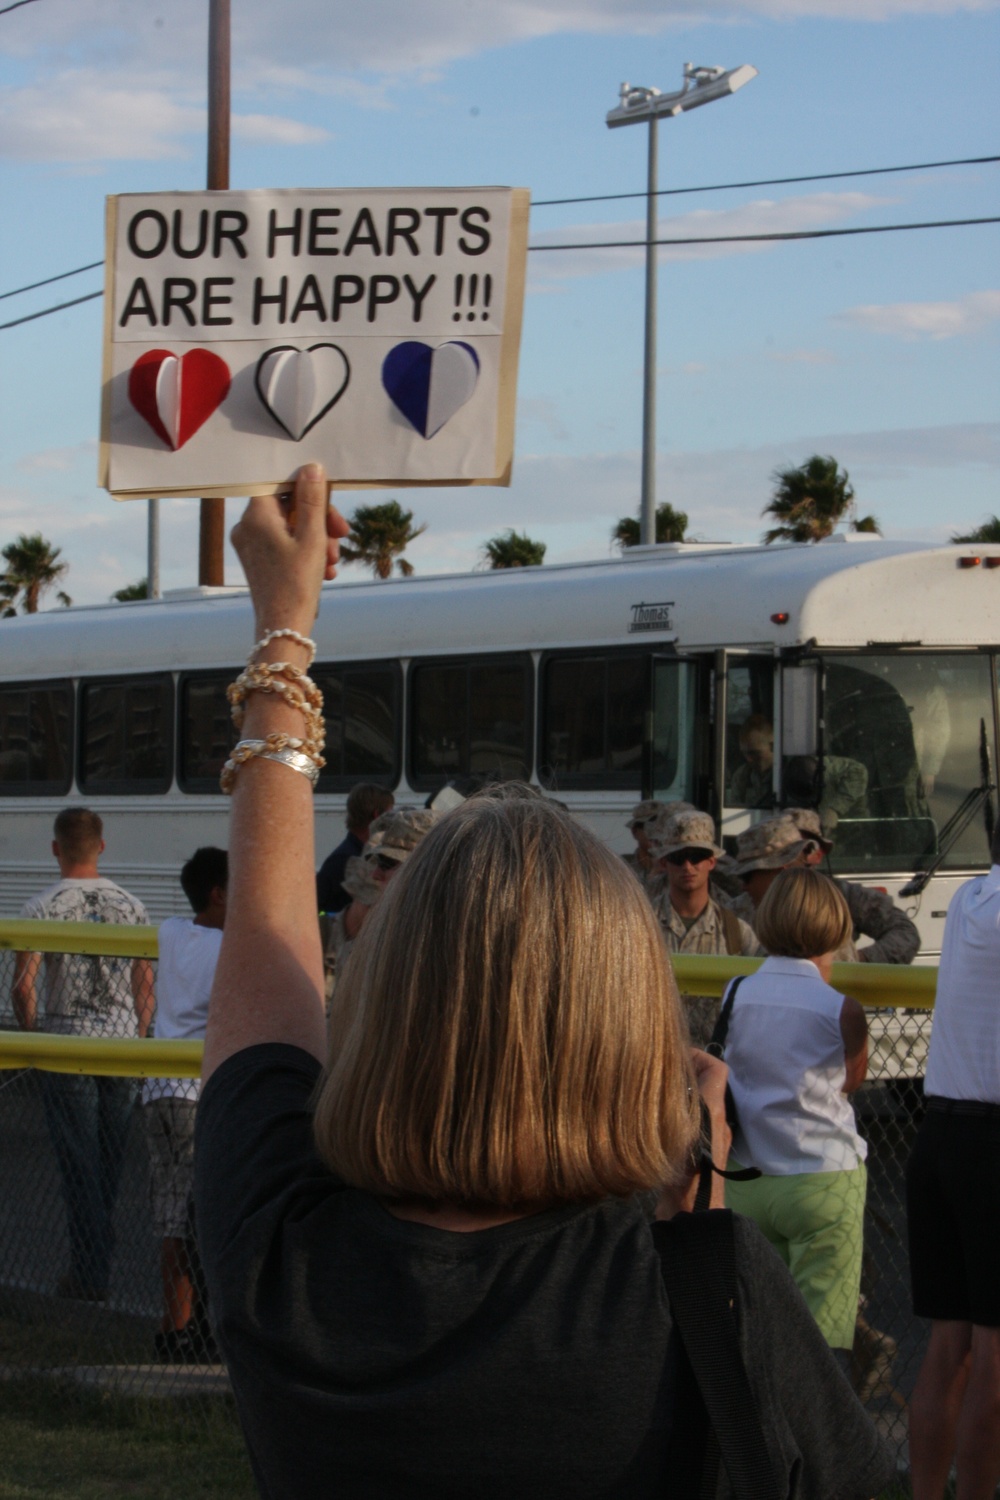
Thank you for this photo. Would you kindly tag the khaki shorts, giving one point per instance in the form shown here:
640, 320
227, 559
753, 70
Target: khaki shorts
815, 1221
170, 1139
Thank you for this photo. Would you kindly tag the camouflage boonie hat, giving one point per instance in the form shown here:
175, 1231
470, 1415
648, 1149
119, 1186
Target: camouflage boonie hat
397, 833
809, 823
668, 812
644, 812
358, 881
770, 845
685, 830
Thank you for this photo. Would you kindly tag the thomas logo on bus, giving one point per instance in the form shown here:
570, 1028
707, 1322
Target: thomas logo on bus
651, 617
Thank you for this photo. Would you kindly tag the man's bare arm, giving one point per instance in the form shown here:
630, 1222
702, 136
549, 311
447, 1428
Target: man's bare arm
854, 1031
24, 997
143, 993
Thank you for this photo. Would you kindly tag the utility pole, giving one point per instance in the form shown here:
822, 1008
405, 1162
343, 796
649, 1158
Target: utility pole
212, 524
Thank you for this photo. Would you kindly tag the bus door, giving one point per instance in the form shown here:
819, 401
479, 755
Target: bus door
746, 767
677, 749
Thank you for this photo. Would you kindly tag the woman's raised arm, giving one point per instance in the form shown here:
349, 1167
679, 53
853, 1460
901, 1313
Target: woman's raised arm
269, 981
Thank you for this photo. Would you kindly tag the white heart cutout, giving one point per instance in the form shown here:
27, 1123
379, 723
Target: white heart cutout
454, 372
299, 386
168, 397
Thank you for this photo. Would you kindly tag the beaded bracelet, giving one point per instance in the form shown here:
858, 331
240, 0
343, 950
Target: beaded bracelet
290, 635
286, 749
288, 682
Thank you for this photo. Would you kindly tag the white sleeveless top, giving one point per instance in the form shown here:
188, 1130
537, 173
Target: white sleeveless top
787, 1069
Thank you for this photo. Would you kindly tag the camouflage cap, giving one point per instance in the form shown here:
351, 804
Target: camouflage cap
769, 845
398, 832
359, 881
689, 829
668, 811
810, 824
644, 812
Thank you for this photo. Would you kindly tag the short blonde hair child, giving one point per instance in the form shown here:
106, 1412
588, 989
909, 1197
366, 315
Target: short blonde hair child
803, 915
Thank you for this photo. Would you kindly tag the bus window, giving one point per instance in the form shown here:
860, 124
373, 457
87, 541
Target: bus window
592, 724
750, 732
470, 718
677, 729
903, 749
36, 739
361, 709
125, 735
207, 731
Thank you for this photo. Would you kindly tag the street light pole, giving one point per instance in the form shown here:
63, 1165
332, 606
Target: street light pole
701, 86
647, 509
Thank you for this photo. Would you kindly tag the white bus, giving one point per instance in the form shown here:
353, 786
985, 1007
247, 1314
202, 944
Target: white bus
663, 672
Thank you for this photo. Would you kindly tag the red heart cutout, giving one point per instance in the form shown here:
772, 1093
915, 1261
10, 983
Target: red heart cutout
177, 394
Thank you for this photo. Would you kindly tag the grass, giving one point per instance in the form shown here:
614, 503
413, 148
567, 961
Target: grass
58, 1442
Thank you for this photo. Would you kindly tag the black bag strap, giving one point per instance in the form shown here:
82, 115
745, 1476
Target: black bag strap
717, 1046
698, 1261
717, 1041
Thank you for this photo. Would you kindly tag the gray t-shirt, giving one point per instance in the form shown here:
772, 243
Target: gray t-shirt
87, 994
378, 1358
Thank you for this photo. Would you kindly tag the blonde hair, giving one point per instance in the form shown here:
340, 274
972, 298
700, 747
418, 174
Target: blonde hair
508, 1031
803, 915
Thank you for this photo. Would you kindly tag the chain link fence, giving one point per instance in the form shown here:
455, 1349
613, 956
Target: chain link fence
99, 1276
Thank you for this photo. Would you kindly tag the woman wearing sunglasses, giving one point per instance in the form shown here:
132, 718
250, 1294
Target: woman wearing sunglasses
429, 1243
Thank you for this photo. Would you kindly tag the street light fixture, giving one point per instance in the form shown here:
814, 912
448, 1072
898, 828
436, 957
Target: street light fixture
635, 105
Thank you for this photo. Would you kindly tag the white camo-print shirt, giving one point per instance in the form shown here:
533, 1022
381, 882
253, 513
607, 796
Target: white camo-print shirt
87, 995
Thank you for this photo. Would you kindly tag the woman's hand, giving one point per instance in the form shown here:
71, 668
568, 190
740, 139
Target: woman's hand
711, 1075
288, 546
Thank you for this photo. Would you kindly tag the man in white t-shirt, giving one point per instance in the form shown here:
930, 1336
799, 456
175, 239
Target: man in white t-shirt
953, 1208
85, 995
189, 951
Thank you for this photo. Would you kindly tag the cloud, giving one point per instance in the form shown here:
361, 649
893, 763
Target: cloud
401, 37
81, 117
88, 116
803, 357
927, 320
58, 459
542, 412
273, 130
764, 216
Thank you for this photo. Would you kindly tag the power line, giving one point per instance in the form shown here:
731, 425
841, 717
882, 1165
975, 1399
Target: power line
46, 310
719, 187
791, 234
49, 279
16, 6
707, 239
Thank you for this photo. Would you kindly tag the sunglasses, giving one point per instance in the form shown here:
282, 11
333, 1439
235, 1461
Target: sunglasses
386, 862
689, 857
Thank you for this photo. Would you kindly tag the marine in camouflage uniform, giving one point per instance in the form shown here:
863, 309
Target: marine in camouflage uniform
874, 914
713, 929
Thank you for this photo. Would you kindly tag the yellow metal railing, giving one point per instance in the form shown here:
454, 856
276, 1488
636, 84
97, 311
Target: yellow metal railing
880, 986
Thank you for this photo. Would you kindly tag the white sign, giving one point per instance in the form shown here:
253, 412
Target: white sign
374, 331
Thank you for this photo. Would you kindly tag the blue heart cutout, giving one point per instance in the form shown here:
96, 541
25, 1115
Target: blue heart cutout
407, 373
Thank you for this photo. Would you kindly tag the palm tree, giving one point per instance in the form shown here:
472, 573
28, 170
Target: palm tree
378, 534
33, 566
513, 549
671, 526
132, 591
807, 502
988, 532
867, 524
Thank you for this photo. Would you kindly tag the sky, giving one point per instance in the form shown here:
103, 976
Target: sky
882, 350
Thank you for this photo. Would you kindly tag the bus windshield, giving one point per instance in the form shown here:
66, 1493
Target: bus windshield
907, 739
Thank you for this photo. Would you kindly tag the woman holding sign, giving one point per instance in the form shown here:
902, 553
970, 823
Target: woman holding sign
429, 1245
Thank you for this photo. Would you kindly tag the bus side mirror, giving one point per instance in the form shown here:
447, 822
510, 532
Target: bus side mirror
800, 709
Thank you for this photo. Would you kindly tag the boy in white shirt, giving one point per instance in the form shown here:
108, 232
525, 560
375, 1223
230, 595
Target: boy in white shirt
189, 950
